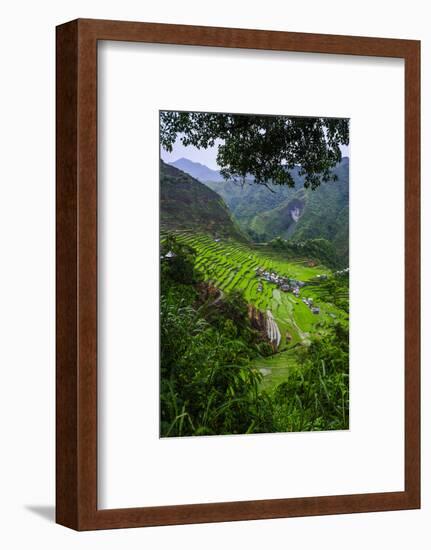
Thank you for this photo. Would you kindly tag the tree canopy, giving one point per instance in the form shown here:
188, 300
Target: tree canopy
264, 148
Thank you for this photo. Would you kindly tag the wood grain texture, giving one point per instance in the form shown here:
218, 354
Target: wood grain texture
67, 479
77, 273
412, 274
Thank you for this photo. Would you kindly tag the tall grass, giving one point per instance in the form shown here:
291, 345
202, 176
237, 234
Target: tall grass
208, 384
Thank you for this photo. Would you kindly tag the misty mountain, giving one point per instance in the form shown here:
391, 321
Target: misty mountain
187, 204
295, 214
197, 170
306, 214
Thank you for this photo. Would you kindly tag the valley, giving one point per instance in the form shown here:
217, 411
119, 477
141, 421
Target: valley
234, 266
254, 303
294, 213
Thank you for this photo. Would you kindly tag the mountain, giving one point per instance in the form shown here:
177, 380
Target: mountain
248, 199
326, 213
197, 170
296, 214
307, 214
244, 201
185, 203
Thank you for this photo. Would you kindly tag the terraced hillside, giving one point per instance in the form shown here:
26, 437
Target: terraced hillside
231, 265
298, 296
292, 213
185, 203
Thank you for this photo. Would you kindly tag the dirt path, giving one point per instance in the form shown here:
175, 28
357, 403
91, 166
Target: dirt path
219, 297
272, 329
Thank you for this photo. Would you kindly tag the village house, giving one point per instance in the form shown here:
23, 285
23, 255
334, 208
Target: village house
284, 283
168, 255
309, 302
342, 271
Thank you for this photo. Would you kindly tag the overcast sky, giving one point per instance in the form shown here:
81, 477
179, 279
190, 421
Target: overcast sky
206, 156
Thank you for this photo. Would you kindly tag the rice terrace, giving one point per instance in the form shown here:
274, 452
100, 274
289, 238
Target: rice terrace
254, 303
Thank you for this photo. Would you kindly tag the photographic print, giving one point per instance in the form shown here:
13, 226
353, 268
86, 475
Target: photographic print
254, 274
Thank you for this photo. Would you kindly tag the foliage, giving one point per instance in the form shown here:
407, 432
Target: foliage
263, 216
177, 262
316, 394
336, 290
185, 203
206, 385
209, 380
320, 250
324, 213
232, 266
267, 148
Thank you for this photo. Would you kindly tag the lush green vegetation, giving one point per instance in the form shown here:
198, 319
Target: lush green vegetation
319, 249
214, 363
186, 203
265, 213
265, 147
326, 214
229, 265
254, 310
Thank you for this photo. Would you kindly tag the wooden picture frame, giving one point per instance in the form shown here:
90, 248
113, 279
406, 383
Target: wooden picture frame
76, 208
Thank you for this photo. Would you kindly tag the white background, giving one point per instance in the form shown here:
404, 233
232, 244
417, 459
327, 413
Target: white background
27, 289
136, 468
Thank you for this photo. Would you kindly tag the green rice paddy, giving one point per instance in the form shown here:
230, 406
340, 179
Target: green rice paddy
231, 265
